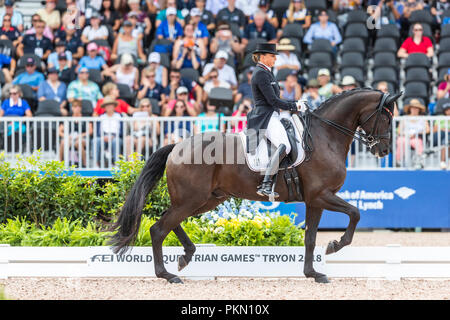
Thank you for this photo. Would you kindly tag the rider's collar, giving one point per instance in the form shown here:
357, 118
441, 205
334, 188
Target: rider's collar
264, 66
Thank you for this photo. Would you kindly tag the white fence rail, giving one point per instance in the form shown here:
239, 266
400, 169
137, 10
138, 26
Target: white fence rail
392, 262
417, 142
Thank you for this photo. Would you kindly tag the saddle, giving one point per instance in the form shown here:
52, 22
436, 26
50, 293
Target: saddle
257, 155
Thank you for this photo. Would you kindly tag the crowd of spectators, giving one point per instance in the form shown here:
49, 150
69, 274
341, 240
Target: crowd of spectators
131, 58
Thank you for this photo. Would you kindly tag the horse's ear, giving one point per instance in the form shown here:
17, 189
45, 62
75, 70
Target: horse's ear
391, 99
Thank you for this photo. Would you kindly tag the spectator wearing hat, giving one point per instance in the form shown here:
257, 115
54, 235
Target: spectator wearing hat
162, 14
92, 60
109, 15
111, 91
137, 31
418, 43
72, 40
182, 94
444, 87
297, 13
30, 77
60, 47
170, 28
260, 28
291, 89
206, 16
232, 14
312, 96
323, 29
226, 72
195, 91
327, 88
94, 31
124, 73
348, 83
16, 16
200, 29
213, 82
37, 43
109, 131
286, 57
188, 52
161, 72
50, 15
53, 89
142, 19
83, 88
214, 6
126, 43
411, 132
9, 32
48, 32
150, 88
224, 40
15, 106
264, 5
245, 88
66, 74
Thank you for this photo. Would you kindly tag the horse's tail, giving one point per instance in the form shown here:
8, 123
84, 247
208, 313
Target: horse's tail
129, 220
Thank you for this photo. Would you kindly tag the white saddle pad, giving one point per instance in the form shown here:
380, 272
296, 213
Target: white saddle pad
260, 159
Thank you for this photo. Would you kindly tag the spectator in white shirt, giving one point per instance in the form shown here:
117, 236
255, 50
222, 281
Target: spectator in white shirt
226, 72
286, 58
249, 7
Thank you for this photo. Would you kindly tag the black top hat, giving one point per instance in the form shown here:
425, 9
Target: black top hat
266, 48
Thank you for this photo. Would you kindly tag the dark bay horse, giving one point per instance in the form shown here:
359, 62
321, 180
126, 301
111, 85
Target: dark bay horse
197, 186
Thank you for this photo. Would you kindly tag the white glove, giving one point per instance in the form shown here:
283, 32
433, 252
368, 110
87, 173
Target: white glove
301, 105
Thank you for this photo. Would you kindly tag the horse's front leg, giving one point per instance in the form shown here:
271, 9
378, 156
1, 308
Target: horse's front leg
312, 220
330, 201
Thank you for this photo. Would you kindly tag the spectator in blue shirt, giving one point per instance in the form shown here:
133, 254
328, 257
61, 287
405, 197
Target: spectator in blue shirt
323, 29
200, 30
16, 16
92, 60
15, 106
170, 28
60, 47
30, 77
53, 89
6, 60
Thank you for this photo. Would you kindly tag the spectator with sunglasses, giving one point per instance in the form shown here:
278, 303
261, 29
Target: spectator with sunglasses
418, 43
9, 32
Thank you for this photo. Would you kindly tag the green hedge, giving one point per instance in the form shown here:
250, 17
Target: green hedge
40, 205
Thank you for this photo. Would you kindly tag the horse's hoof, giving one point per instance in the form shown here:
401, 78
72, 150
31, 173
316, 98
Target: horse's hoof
331, 248
322, 279
181, 263
175, 280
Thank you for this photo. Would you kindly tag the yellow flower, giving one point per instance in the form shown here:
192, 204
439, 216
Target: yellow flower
221, 222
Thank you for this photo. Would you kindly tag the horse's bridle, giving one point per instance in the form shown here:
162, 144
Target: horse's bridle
371, 139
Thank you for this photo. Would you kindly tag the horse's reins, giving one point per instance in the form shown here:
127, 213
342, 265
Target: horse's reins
369, 140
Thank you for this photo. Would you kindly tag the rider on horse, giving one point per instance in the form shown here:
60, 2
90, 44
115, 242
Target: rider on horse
266, 114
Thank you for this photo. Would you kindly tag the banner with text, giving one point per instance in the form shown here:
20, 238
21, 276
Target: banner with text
387, 199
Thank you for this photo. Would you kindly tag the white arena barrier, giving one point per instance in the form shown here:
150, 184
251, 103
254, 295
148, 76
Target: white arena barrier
392, 262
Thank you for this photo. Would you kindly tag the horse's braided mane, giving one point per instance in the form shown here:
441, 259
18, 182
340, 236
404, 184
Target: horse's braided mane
341, 95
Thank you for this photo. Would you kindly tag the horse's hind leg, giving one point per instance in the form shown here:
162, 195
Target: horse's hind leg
188, 245
313, 216
158, 232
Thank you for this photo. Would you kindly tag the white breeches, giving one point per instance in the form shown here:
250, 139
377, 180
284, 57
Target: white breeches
276, 132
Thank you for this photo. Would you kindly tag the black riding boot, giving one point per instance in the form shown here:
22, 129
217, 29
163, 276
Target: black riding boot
265, 189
